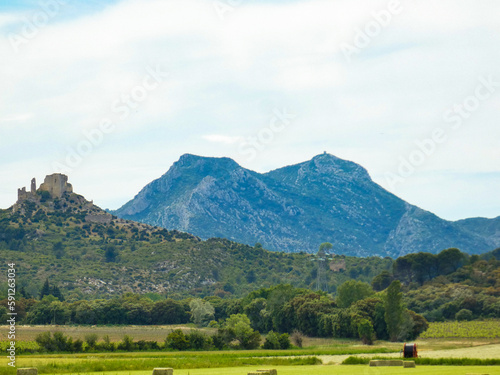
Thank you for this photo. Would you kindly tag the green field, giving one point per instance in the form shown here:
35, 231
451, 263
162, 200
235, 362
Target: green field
321, 356
329, 370
473, 329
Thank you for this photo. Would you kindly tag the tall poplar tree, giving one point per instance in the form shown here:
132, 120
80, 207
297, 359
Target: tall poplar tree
394, 309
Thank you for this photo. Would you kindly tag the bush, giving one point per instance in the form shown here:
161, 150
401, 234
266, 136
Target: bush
198, 340
284, 340
464, 314
176, 340
272, 341
147, 345
106, 345
127, 344
366, 332
91, 340
297, 338
277, 341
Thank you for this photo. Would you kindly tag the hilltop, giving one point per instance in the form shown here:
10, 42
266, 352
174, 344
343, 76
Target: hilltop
296, 208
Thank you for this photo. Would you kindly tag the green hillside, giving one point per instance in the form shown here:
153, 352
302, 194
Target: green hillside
88, 253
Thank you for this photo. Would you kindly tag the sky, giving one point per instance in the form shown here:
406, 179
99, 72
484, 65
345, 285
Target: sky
112, 93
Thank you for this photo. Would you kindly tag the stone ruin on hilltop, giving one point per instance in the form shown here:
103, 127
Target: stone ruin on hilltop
56, 184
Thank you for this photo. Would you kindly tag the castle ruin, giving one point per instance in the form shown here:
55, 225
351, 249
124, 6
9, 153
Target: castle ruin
56, 184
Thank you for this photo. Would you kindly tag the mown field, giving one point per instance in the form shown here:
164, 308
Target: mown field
329, 370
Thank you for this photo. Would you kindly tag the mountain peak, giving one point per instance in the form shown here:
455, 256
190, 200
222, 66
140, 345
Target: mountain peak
196, 161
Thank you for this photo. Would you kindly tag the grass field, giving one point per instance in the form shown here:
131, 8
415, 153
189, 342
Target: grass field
330, 370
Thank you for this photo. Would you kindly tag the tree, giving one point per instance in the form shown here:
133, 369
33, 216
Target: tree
394, 308
450, 260
464, 314
325, 247
177, 340
201, 312
45, 291
169, 312
382, 281
352, 291
58, 250
110, 253
237, 327
258, 315
321, 281
366, 332
91, 340
272, 341
57, 293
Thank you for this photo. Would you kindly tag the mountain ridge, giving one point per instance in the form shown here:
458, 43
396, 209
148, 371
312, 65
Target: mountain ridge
297, 207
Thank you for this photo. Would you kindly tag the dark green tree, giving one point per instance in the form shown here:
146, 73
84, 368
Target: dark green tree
57, 293
177, 340
382, 281
110, 253
394, 309
58, 250
45, 291
366, 331
352, 291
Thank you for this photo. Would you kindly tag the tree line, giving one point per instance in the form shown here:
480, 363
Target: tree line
357, 312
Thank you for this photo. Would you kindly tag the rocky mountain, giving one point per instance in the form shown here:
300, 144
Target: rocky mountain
298, 207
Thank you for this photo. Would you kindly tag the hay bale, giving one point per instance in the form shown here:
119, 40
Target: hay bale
27, 371
381, 362
409, 364
270, 371
163, 371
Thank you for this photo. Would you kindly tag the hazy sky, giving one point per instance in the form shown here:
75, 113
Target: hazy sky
112, 93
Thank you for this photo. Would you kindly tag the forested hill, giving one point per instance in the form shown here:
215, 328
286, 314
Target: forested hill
296, 208
89, 253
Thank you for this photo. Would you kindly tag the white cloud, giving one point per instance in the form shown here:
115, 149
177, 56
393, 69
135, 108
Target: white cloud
220, 138
227, 76
16, 117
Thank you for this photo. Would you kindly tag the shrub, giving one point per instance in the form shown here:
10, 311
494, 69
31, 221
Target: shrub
91, 340
272, 341
198, 340
297, 338
127, 344
177, 340
464, 314
366, 332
